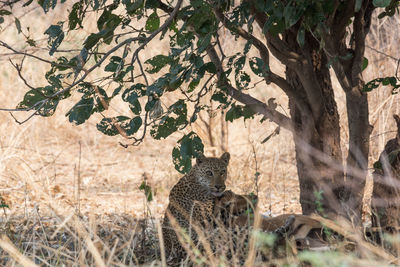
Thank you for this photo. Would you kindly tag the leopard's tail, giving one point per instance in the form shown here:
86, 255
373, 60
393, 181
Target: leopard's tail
286, 228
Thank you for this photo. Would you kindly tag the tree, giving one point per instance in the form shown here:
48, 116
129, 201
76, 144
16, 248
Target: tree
308, 37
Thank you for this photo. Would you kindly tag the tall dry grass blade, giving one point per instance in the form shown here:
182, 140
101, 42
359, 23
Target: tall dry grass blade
162, 248
95, 252
188, 244
6, 244
110, 257
62, 225
252, 243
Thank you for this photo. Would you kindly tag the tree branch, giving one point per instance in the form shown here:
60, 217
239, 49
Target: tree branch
340, 22
333, 56
257, 106
127, 41
264, 53
297, 62
268, 110
26, 54
278, 48
361, 24
19, 71
359, 41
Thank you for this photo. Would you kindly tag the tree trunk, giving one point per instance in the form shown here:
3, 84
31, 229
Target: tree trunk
357, 159
324, 187
317, 139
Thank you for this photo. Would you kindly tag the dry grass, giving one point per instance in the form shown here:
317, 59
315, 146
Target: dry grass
73, 194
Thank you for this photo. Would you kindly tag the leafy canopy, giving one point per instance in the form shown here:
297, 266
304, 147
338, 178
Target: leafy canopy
190, 30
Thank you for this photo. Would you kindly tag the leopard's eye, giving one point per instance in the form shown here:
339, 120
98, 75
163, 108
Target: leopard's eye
209, 173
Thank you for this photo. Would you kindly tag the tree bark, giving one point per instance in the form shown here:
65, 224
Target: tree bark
357, 159
318, 172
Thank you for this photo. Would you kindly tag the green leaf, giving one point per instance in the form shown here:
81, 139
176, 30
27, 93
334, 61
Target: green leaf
116, 91
101, 100
91, 40
384, 81
292, 15
86, 89
242, 79
132, 98
239, 63
258, 66
119, 125
236, 112
278, 27
132, 7
56, 36
18, 25
104, 17
210, 68
364, 64
151, 4
3, 204
382, 15
107, 125
233, 113
156, 110
393, 156
27, 3
204, 42
301, 36
189, 146
247, 47
47, 4
31, 42
81, 111
357, 5
220, 97
4, 12
377, 165
38, 99
147, 191
153, 22
130, 95
381, 3
157, 63
115, 64
169, 124
133, 126
73, 17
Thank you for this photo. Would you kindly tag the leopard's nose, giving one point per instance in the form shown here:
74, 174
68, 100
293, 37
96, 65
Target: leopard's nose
220, 188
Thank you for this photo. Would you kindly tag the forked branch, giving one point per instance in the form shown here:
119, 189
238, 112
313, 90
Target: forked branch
266, 109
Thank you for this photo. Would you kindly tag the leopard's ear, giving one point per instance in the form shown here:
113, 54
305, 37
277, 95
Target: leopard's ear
200, 159
225, 157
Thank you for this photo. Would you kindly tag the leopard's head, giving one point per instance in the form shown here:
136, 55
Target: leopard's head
212, 173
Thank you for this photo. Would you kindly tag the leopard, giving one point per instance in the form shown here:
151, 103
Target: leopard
191, 204
237, 212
